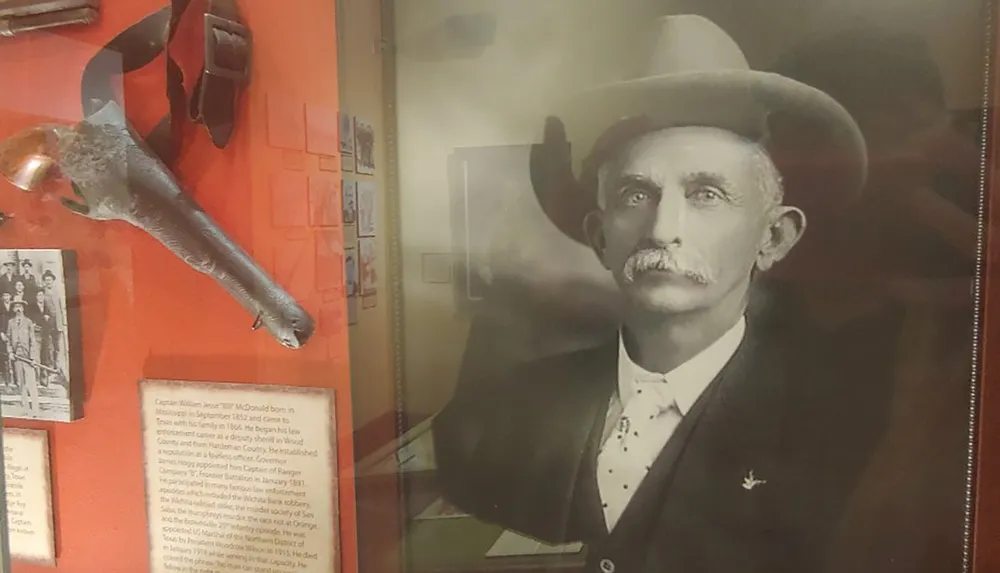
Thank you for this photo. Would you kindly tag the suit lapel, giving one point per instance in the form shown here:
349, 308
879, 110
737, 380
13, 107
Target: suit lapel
655, 489
732, 429
587, 520
740, 430
711, 497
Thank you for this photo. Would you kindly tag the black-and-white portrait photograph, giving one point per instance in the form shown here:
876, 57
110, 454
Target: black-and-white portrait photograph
715, 261
37, 295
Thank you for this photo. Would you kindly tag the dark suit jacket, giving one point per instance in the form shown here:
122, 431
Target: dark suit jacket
7, 284
37, 315
802, 409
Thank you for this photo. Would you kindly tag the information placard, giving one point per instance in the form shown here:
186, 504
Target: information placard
240, 477
29, 496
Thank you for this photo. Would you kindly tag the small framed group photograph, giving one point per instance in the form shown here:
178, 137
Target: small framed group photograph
40, 366
367, 206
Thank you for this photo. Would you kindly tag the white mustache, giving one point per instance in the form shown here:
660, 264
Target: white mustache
681, 262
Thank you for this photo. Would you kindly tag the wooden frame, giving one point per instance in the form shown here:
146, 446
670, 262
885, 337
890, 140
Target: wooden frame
984, 521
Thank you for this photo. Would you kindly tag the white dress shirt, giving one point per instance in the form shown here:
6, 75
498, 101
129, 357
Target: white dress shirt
645, 412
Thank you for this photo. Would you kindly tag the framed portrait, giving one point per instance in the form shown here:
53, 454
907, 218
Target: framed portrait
732, 261
40, 335
346, 133
349, 189
367, 208
364, 146
985, 452
366, 265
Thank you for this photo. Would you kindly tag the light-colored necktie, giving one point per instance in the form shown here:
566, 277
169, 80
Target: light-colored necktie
632, 447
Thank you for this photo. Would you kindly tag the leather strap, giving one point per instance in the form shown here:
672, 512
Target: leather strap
225, 71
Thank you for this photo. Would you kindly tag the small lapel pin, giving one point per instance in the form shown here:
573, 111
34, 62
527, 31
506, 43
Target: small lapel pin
624, 424
750, 482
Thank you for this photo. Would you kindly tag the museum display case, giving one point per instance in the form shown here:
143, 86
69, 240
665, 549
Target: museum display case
449, 286
176, 380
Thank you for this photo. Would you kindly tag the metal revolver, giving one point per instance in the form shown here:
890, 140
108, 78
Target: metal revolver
116, 176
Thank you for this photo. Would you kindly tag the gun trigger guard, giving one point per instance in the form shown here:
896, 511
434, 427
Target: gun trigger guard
78, 208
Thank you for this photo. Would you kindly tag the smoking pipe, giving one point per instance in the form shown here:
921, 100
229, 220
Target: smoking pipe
116, 176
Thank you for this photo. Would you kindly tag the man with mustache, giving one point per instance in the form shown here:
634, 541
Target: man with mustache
713, 432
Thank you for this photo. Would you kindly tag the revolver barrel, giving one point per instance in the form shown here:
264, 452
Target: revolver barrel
117, 177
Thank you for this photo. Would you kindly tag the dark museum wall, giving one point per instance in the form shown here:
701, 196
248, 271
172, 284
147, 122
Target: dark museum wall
144, 313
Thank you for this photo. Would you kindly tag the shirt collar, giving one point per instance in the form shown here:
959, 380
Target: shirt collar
688, 380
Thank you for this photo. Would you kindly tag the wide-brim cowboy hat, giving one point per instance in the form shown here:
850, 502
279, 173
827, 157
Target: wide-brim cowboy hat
697, 76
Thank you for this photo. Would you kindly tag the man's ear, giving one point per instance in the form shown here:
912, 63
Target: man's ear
786, 228
593, 229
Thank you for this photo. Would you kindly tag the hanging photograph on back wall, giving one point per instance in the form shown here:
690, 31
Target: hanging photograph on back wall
349, 188
346, 134
351, 271
39, 335
712, 307
369, 276
367, 208
364, 147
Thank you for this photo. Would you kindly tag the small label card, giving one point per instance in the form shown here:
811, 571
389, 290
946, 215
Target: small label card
29, 496
240, 477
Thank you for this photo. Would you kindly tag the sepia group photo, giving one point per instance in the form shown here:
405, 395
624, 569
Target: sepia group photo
34, 330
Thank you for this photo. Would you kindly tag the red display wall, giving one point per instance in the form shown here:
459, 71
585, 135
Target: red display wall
143, 312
